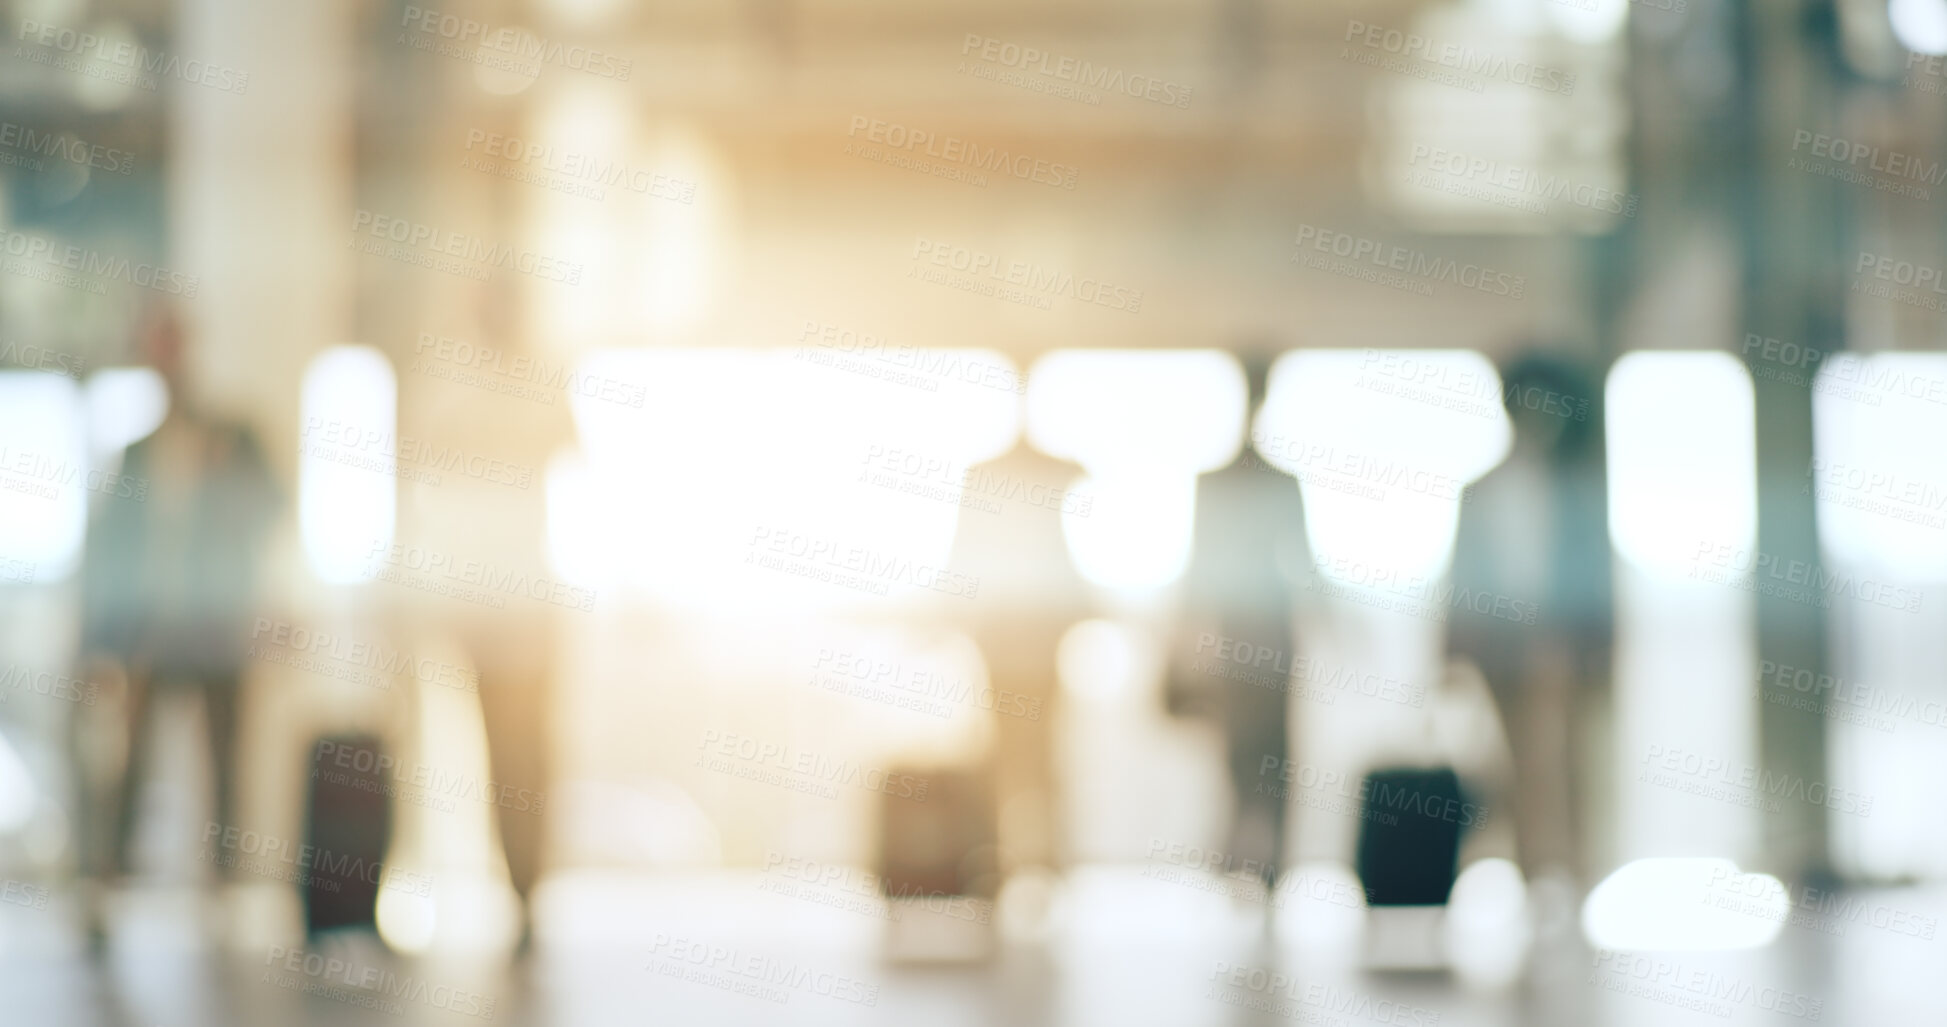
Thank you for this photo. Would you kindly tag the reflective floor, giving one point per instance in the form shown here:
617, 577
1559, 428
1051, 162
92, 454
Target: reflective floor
1116, 947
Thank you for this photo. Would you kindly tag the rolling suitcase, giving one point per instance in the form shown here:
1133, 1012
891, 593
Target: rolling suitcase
348, 826
938, 864
1409, 834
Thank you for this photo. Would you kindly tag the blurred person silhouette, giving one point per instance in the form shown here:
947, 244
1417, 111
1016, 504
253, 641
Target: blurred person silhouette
168, 594
1535, 530
513, 658
1026, 594
1235, 655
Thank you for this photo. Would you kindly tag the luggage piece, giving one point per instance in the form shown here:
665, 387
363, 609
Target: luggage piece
938, 839
1409, 834
939, 866
348, 825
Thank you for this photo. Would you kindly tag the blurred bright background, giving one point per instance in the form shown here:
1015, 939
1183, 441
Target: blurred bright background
633, 381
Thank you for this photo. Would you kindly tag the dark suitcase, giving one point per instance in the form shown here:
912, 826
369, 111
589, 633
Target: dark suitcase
1409, 834
938, 835
348, 826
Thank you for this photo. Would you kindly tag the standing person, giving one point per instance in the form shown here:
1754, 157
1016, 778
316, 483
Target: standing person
514, 657
168, 594
1535, 530
1025, 595
1249, 549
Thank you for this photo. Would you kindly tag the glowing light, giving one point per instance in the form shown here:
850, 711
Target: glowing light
1653, 905
1877, 461
1321, 907
682, 243
406, 922
727, 443
17, 795
1099, 660
577, 117
346, 493
125, 406
1383, 442
1682, 449
1143, 424
1487, 923
1919, 25
575, 523
1595, 23
43, 463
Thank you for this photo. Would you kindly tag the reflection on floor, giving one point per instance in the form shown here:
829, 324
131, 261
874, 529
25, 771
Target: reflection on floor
1115, 947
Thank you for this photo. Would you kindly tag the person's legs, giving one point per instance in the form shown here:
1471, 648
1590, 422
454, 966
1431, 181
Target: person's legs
140, 739
516, 705
1256, 736
1022, 692
220, 696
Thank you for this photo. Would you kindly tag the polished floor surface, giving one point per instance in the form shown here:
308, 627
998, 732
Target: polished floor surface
1119, 947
